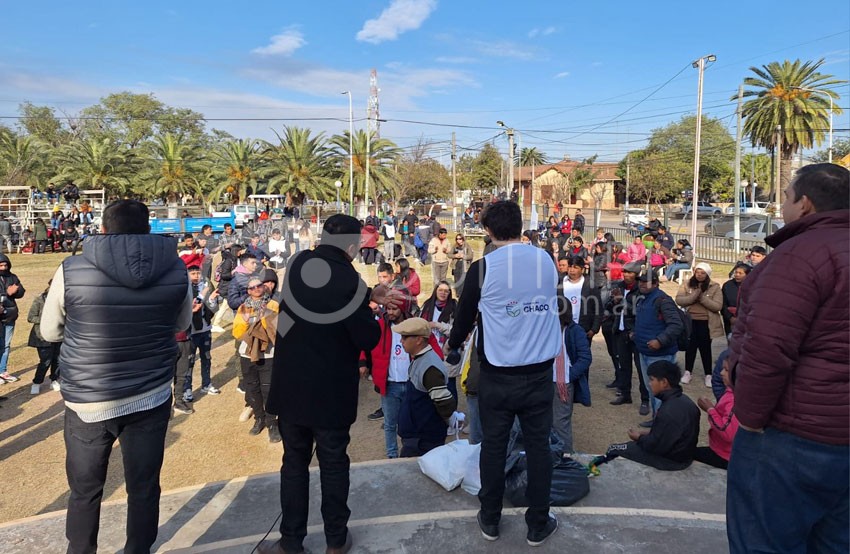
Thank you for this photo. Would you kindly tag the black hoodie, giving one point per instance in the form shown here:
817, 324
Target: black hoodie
7, 279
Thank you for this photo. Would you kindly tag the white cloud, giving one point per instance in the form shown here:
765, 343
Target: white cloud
283, 44
562, 74
541, 32
548, 31
503, 49
398, 17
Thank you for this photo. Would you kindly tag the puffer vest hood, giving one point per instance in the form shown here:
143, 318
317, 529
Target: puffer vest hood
121, 297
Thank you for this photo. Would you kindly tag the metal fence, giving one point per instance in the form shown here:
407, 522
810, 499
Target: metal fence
708, 248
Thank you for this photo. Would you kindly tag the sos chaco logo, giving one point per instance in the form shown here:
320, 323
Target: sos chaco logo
513, 309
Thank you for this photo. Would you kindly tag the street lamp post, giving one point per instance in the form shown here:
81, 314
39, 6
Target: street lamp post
699, 64
350, 153
338, 186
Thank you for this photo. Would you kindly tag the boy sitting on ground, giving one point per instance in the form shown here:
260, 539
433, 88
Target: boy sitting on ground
427, 405
670, 444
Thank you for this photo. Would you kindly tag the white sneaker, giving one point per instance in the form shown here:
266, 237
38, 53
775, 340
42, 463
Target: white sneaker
708, 381
55, 385
686, 377
209, 389
217, 329
35, 389
8, 377
246, 414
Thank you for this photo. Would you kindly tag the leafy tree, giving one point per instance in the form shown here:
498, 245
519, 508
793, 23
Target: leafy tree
41, 122
795, 96
174, 168
464, 171
758, 166
300, 165
237, 164
487, 168
383, 154
420, 176
20, 157
840, 148
96, 163
653, 175
123, 117
531, 156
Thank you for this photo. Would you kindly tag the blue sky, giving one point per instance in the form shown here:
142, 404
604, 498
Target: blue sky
571, 77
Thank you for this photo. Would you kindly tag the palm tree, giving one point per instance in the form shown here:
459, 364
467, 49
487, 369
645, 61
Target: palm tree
20, 156
795, 96
175, 167
237, 165
383, 155
96, 163
299, 166
531, 156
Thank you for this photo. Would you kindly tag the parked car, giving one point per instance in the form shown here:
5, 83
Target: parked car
242, 213
756, 231
719, 226
635, 216
703, 208
748, 208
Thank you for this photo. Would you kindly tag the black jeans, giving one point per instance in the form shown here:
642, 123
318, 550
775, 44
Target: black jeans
628, 358
88, 446
331, 447
501, 398
631, 451
48, 358
708, 456
700, 340
257, 380
611, 346
415, 447
182, 371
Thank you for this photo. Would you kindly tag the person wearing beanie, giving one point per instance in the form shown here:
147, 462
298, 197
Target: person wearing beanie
702, 299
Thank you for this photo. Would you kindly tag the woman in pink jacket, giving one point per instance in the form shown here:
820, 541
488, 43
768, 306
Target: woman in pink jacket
637, 250
722, 427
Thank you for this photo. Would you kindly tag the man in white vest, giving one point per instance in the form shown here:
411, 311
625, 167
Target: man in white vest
512, 291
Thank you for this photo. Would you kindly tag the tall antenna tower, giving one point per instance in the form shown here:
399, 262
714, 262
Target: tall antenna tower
372, 110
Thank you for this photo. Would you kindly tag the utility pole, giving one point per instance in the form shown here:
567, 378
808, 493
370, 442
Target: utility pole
519, 165
510, 161
368, 153
700, 65
628, 167
454, 183
738, 133
778, 181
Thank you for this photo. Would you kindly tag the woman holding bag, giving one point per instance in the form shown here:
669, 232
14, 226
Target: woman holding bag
703, 300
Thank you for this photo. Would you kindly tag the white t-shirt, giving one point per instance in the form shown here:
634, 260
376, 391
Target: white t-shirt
276, 246
399, 361
572, 292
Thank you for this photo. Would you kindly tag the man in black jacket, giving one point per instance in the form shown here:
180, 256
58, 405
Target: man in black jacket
624, 295
11, 290
117, 308
671, 442
325, 322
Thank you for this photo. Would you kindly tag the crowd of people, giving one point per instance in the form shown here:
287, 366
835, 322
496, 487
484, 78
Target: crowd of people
781, 388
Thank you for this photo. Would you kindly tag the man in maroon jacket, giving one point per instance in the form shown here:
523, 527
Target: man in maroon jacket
790, 360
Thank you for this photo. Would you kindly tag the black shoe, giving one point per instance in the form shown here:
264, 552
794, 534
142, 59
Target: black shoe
620, 400
611, 385
258, 427
489, 532
646, 424
377, 415
536, 538
274, 433
644, 407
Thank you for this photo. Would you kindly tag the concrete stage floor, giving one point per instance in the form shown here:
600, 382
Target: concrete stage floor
395, 508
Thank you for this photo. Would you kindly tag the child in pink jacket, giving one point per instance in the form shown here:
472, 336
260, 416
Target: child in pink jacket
637, 250
722, 427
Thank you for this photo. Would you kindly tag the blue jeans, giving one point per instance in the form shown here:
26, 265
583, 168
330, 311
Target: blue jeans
645, 362
391, 405
201, 345
787, 494
674, 268
4, 359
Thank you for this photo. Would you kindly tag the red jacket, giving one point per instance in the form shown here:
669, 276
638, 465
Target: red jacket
413, 284
722, 425
369, 237
380, 356
789, 352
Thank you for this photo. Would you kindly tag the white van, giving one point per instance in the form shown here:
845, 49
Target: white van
242, 213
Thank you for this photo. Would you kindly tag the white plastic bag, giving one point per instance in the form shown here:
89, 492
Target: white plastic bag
447, 464
472, 474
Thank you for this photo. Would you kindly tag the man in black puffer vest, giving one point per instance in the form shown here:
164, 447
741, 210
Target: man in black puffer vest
114, 309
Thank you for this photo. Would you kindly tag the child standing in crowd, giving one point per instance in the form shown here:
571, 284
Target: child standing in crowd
722, 427
48, 352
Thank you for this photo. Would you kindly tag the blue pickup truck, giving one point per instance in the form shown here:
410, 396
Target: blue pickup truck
172, 226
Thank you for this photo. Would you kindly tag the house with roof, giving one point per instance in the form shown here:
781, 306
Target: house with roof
572, 182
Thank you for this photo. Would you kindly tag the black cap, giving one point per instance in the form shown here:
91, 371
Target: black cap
269, 276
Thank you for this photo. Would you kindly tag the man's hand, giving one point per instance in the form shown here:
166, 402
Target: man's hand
635, 435
704, 403
197, 305
385, 296
654, 344
590, 335
214, 294
12, 289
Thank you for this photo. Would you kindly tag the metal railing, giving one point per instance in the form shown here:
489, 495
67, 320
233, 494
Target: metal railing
708, 248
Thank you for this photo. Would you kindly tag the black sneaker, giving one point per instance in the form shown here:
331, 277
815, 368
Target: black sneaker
644, 407
258, 427
377, 415
537, 538
620, 400
646, 424
274, 433
611, 385
489, 532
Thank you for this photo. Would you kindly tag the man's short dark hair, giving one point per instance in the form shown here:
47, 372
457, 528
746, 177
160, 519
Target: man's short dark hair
193, 267
758, 250
386, 268
205, 227
662, 228
188, 236
245, 256
576, 261
503, 219
663, 369
228, 226
826, 185
126, 217
342, 231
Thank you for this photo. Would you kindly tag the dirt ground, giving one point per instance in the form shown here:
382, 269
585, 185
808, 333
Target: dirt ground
211, 445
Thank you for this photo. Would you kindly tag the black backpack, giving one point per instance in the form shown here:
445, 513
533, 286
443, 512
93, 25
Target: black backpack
687, 323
